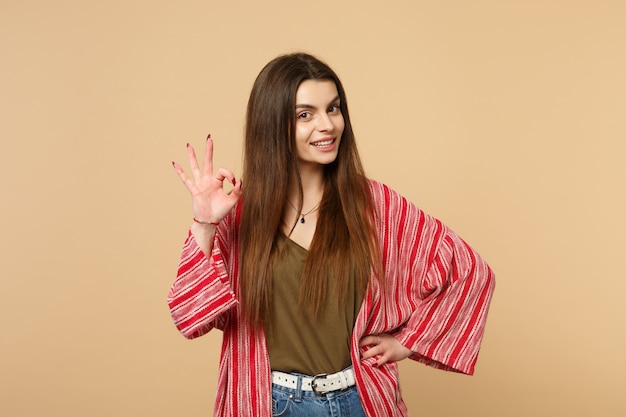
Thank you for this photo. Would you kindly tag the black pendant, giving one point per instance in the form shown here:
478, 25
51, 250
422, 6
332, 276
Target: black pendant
302, 219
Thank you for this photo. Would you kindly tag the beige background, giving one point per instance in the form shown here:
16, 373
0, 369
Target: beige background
503, 118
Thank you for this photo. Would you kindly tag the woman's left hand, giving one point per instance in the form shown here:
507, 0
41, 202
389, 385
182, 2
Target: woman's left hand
386, 346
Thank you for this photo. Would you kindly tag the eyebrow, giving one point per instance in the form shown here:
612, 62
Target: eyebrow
309, 106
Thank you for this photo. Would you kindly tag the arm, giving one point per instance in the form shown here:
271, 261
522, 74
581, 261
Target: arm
438, 290
446, 328
202, 292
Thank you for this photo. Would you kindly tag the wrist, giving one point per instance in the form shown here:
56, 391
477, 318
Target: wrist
203, 232
205, 222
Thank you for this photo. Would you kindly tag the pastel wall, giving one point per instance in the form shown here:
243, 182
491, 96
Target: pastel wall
505, 119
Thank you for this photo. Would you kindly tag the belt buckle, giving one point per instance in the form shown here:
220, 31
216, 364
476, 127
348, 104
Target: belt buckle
314, 383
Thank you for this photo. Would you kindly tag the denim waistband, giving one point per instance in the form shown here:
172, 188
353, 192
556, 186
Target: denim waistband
319, 385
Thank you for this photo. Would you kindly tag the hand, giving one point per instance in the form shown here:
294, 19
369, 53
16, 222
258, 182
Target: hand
386, 346
210, 202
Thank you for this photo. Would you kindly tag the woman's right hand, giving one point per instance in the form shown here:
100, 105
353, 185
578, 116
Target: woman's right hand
211, 203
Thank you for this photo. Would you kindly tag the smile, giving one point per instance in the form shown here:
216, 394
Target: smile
323, 143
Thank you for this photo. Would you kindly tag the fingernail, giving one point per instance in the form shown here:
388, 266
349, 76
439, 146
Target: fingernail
234, 181
173, 164
187, 144
208, 136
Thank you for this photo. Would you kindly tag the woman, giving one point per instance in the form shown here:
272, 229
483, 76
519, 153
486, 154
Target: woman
320, 279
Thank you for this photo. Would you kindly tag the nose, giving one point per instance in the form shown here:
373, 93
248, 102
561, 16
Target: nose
325, 123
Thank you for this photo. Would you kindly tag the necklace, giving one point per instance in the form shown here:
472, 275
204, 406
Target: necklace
300, 214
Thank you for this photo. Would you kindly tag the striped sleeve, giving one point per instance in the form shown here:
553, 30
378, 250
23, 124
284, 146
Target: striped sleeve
446, 327
201, 292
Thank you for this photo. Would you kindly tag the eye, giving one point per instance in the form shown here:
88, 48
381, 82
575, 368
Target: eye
334, 109
304, 115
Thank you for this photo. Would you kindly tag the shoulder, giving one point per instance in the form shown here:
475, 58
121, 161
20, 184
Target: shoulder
395, 211
386, 198
380, 191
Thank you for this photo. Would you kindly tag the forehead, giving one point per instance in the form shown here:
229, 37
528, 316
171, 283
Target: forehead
316, 92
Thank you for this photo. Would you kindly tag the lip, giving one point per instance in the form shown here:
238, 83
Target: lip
324, 144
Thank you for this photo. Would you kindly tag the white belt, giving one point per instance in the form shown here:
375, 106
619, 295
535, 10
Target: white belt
320, 384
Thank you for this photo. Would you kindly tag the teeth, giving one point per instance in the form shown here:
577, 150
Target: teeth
323, 143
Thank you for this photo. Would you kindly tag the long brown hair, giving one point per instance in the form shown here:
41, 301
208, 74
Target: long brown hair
345, 239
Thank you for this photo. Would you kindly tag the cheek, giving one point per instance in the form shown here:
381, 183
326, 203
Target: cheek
340, 125
302, 134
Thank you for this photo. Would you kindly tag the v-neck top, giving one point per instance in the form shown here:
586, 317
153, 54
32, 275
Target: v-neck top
296, 340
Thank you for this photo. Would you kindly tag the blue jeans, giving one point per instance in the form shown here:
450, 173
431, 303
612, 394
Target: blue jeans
287, 402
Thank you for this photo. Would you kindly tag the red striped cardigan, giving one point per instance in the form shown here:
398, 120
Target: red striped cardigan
436, 304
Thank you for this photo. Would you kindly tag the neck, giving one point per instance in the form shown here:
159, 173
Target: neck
312, 189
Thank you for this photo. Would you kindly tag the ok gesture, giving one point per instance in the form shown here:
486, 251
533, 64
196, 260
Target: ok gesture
211, 203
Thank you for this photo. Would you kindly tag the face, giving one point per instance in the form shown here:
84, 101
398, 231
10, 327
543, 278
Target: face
319, 123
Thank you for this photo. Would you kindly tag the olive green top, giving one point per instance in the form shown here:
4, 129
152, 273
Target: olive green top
297, 342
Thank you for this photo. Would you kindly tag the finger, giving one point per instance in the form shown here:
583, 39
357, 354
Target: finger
208, 156
224, 173
383, 360
369, 340
237, 190
193, 162
365, 341
373, 352
182, 175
